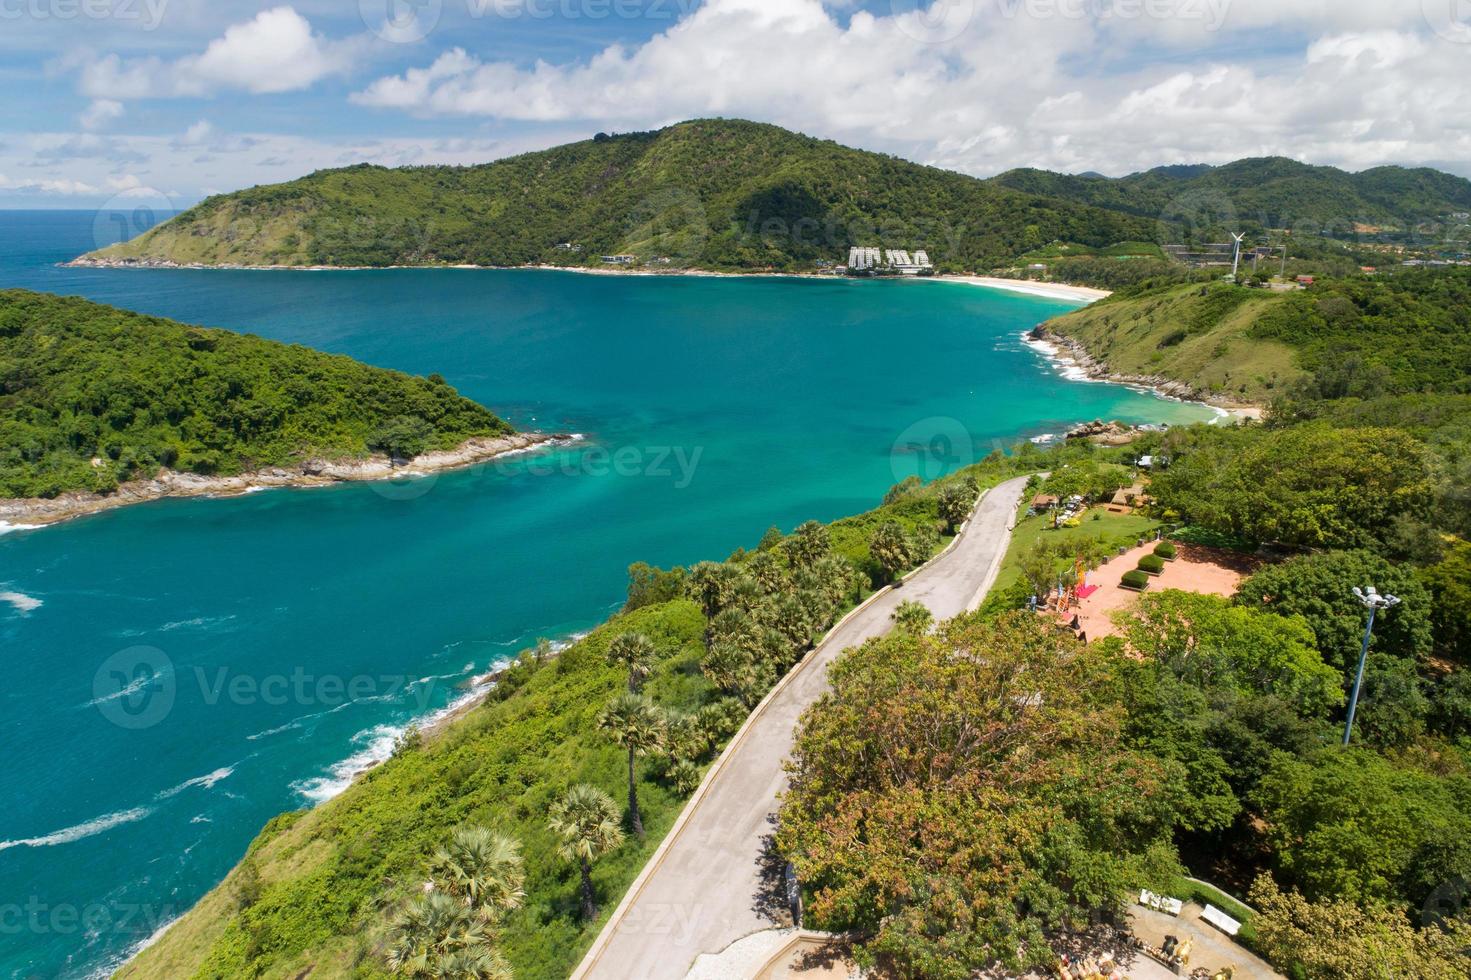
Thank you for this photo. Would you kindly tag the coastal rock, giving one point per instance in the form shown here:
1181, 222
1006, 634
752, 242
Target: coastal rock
308, 473
1113, 433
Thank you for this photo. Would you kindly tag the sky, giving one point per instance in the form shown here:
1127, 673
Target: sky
168, 101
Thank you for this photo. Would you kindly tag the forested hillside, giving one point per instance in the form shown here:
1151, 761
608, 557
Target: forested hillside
721, 194
91, 396
1358, 335
1263, 192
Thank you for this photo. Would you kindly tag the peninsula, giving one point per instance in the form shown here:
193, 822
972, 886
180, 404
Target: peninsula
100, 407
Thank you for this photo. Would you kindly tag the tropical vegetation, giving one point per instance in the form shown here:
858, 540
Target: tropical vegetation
92, 396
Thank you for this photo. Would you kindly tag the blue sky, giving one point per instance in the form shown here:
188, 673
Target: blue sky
171, 100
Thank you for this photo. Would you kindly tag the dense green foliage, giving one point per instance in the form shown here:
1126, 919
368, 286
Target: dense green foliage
91, 396
1264, 193
956, 809
710, 193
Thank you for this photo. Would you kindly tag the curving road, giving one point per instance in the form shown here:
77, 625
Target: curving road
705, 888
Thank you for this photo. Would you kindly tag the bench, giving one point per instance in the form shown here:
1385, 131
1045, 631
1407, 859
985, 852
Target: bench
1221, 920
1160, 903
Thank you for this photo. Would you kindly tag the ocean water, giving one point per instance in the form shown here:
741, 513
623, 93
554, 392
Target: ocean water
178, 672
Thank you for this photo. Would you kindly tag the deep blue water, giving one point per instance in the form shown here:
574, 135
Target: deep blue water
179, 672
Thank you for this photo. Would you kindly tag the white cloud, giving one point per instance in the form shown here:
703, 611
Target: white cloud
100, 113
61, 188
275, 52
1065, 84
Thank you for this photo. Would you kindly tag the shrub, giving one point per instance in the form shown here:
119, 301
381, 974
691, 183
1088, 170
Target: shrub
1153, 564
1165, 550
1136, 580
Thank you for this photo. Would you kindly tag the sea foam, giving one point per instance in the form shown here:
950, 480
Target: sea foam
82, 830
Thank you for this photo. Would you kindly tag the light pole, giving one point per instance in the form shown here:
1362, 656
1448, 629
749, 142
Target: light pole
1374, 602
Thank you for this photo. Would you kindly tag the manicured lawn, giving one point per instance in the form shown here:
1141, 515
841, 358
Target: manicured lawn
1110, 527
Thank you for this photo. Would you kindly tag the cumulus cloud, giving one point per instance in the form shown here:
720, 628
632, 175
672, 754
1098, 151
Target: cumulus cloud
983, 85
277, 51
100, 113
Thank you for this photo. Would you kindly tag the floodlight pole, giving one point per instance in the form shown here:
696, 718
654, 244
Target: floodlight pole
1374, 602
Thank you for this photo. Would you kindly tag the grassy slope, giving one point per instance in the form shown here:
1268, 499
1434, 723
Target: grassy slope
81, 381
699, 192
332, 875
1192, 333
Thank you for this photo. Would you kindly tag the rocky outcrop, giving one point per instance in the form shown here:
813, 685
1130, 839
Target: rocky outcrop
1076, 354
1113, 433
307, 473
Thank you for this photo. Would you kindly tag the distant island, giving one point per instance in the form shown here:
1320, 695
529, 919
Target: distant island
737, 196
101, 407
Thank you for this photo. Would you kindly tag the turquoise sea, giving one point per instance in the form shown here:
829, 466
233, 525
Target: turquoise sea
176, 673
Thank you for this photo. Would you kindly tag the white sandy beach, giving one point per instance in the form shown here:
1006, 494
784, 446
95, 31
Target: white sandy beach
1051, 290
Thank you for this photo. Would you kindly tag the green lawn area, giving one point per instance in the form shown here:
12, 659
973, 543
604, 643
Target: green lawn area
1108, 527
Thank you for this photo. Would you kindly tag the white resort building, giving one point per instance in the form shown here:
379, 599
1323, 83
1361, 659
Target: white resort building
868, 261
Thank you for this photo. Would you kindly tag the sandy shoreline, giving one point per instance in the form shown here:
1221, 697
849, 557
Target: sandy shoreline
20, 514
1031, 287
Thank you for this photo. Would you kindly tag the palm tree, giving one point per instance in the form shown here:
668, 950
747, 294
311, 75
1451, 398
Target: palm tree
634, 652
430, 928
472, 964
587, 821
633, 722
483, 869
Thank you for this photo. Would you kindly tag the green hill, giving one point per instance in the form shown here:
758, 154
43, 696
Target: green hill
1357, 336
719, 194
1262, 193
91, 396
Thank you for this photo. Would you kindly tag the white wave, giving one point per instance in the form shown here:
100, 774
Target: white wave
1045, 439
378, 742
274, 731
6, 527
131, 689
82, 830
200, 819
23, 603
196, 621
205, 781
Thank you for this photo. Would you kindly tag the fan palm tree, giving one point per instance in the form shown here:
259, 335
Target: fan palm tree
472, 964
483, 869
430, 928
586, 820
633, 722
634, 652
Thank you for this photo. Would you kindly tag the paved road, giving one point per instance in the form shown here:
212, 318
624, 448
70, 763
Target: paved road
704, 889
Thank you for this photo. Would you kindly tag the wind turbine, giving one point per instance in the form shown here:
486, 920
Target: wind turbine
1236, 258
